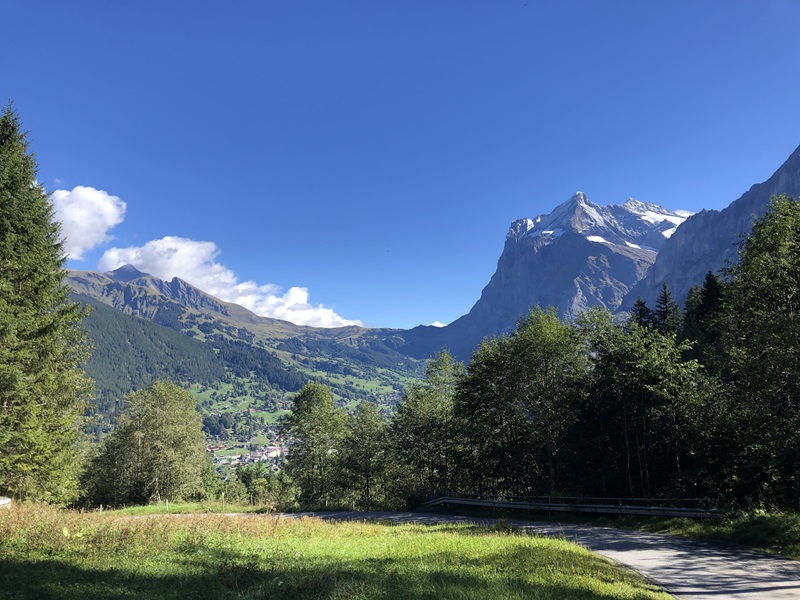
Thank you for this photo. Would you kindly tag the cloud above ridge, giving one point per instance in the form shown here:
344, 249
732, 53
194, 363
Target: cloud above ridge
195, 262
86, 216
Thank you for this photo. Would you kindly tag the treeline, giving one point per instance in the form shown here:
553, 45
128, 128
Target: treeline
702, 403
244, 361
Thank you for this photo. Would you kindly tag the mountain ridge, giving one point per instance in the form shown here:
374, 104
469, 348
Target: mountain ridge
579, 255
708, 240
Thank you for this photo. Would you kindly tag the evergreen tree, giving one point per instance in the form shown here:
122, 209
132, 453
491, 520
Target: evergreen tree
701, 321
690, 328
667, 315
42, 390
641, 314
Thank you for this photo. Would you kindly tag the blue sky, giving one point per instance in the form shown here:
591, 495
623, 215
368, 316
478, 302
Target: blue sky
367, 157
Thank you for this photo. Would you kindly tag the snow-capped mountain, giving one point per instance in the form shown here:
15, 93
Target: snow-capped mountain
635, 224
579, 255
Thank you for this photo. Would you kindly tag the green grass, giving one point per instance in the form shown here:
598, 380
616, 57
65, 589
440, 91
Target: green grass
272, 417
774, 532
47, 553
231, 451
778, 533
183, 508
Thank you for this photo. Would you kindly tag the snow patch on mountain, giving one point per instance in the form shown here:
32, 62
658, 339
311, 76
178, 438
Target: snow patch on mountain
633, 224
597, 239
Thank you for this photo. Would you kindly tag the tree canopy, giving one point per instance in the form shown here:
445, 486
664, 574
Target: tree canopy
423, 430
760, 338
157, 451
315, 430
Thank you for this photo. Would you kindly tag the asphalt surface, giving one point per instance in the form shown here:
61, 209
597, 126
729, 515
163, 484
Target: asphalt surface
686, 568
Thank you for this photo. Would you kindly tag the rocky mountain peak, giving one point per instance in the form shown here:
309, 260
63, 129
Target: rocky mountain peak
126, 273
579, 255
634, 224
519, 228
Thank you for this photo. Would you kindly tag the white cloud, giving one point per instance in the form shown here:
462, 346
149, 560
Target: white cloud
86, 216
195, 262
438, 324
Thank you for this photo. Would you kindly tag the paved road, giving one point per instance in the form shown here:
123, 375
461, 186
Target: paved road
688, 569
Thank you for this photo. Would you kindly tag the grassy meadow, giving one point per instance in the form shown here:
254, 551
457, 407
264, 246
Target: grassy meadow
51, 553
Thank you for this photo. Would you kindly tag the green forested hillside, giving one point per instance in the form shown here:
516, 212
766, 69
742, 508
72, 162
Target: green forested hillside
130, 352
231, 365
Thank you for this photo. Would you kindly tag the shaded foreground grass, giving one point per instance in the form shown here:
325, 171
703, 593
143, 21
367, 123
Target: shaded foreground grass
778, 533
774, 532
47, 553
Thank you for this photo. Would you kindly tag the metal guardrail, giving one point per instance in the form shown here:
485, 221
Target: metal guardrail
614, 506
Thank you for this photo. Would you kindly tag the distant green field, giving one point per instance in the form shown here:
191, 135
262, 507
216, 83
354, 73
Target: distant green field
47, 553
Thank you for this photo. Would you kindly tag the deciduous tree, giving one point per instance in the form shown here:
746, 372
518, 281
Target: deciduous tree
761, 338
157, 452
365, 458
315, 429
516, 402
423, 430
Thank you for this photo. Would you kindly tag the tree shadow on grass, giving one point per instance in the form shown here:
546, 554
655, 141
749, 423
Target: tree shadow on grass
218, 574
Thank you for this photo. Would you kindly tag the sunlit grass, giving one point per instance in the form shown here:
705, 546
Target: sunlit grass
49, 553
177, 508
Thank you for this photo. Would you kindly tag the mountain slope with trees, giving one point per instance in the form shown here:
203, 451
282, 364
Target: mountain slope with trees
144, 329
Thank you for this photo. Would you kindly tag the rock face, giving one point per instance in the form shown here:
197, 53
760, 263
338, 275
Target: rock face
578, 256
709, 240
135, 293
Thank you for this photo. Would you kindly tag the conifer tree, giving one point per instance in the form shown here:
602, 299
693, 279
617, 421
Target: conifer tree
641, 314
667, 315
701, 324
42, 389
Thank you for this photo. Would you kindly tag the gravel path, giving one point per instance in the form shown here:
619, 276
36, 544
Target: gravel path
687, 568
